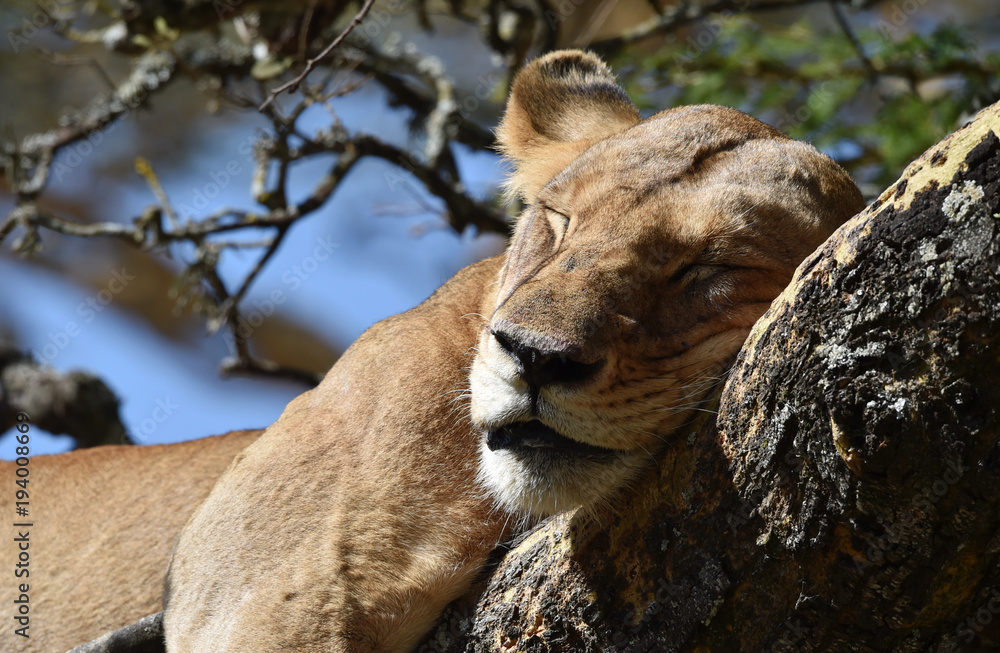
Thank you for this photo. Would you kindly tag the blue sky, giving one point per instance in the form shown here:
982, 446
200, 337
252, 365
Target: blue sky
363, 257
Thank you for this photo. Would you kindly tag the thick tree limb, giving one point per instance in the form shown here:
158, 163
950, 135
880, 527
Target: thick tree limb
76, 404
845, 498
144, 636
684, 12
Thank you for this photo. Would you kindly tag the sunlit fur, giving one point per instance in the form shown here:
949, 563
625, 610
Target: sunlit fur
648, 246
107, 521
372, 502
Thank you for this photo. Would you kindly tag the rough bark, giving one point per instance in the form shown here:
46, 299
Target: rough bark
844, 496
844, 499
77, 403
144, 636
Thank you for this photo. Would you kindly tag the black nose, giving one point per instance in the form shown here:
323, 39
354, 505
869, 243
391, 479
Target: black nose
538, 367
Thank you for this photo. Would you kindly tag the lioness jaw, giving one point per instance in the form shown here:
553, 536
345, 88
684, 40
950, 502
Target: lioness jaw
647, 250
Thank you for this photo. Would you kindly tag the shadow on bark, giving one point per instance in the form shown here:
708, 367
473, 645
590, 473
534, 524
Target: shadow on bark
845, 497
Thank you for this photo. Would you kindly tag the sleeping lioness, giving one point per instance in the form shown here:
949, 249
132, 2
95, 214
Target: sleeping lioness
647, 250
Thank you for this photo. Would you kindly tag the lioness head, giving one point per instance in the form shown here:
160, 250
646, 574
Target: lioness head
647, 250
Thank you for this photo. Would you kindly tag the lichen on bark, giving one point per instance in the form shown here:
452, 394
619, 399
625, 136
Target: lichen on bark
844, 498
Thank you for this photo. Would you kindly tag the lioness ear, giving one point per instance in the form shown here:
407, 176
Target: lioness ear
560, 105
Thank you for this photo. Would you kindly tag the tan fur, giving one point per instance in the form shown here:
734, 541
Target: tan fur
645, 259
105, 521
647, 251
354, 519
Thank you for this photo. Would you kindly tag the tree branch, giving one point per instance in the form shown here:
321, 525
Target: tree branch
76, 404
685, 12
26, 165
293, 84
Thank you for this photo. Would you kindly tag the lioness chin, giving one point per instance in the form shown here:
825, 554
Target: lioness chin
647, 250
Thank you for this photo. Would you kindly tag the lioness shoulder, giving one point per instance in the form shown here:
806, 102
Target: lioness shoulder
531, 383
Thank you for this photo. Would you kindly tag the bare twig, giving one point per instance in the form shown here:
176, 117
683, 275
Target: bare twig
304, 29
272, 247
26, 165
432, 97
311, 64
396, 69
845, 26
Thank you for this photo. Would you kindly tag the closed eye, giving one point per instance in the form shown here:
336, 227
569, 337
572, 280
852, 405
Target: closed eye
698, 272
559, 223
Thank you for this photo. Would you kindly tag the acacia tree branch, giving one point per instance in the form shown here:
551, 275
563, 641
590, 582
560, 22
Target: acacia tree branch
221, 307
293, 84
686, 12
77, 404
180, 47
26, 165
391, 69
